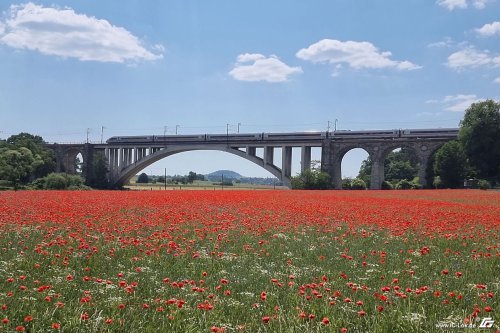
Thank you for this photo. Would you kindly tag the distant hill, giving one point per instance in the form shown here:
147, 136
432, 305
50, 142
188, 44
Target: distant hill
228, 174
234, 176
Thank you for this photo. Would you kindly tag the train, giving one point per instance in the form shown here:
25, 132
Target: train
296, 136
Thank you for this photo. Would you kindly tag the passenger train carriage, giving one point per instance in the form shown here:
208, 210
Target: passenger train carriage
297, 136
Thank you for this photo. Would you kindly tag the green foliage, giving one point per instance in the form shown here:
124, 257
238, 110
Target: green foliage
16, 165
44, 158
59, 181
346, 183
437, 182
358, 184
401, 164
98, 177
192, 176
386, 185
311, 179
450, 165
55, 181
23, 158
404, 184
143, 178
353, 184
484, 184
480, 136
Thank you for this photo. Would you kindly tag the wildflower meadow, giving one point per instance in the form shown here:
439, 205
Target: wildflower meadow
250, 261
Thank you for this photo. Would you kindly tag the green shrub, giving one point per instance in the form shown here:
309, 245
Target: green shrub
386, 185
484, 184
346, 183
55, 181
404, 185
416, 186
358, 184
437, 183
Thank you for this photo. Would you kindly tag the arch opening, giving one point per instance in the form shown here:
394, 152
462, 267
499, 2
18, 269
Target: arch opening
79, 163
355, 169
401, 168
181, 162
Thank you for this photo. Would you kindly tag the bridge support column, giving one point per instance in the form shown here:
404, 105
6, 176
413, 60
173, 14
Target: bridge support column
115, 153
330, 165
269, 155
377, 175
337, 173
252, 151
286, 162
305, 159
424, 156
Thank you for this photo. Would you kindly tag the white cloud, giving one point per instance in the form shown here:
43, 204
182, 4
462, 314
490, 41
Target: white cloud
452, 4
497, 80
64, 33
479, 4
458, 103
256, 67
358, 55
462, 4
472, 58
489, 30
446, 42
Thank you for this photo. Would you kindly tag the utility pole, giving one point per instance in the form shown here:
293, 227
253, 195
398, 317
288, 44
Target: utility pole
335, 128
165, 179
239, 124
222, 182
328, 130
88, 131
102, 133
176, 129
227, 129
164, 130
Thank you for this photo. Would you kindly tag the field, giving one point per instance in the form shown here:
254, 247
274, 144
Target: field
250, 261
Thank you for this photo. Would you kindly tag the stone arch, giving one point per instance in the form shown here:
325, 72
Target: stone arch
391, 147
129, 171
423, 150
346, 151
340, 149
68, 159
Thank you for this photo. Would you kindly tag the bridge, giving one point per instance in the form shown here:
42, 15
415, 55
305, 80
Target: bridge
128, 155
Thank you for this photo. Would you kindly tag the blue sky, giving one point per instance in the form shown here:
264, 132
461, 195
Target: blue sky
137, 66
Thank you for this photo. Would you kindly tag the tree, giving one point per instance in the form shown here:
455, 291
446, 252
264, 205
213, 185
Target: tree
44, 158
398, 170
16, 165
143, 178
192, 176
480, 136
450, 164
312, 179
398, 165
98, 177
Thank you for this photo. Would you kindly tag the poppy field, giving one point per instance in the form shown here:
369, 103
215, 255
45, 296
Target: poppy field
250, 261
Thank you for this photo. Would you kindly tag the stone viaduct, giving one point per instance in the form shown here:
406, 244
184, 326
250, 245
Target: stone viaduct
127, 156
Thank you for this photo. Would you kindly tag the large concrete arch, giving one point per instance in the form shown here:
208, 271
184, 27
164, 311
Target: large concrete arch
129, 171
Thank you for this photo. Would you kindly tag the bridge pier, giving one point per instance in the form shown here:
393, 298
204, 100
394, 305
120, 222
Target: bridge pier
269, 155
377, 175
252, 151
286, 162
305, 158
